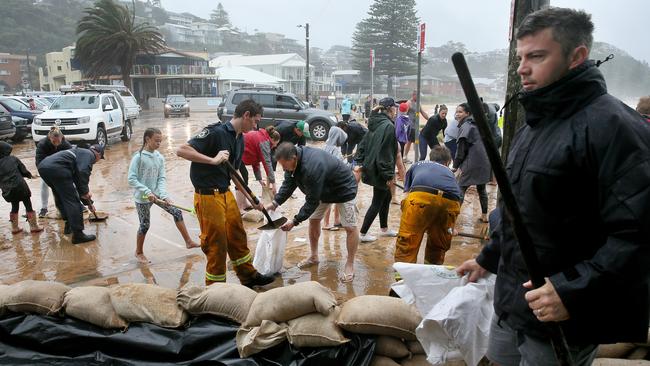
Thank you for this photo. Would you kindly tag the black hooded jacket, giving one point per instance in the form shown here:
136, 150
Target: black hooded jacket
45, 148
75, 164
12, 176
580, 171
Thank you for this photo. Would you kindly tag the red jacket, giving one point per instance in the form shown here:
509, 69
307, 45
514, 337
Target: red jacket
257, 149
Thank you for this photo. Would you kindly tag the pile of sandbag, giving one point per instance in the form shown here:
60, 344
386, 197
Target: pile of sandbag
623, 354
305, 314
112, 308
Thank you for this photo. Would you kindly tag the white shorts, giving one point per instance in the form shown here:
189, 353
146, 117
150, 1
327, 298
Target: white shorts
347, 212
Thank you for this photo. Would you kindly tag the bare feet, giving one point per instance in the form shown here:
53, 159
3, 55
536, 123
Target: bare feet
191, 245
307, 262
141, 258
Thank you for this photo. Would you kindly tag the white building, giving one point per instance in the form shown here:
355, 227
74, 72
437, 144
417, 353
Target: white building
59, 70
290, 67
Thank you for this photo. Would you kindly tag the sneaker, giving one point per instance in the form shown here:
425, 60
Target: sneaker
259, 280
42, 213
388, 234
367, 238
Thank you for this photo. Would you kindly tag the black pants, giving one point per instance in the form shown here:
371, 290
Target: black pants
15, 205
424, 143
380, 205
346, 117
346, 150
482, 196
66, 197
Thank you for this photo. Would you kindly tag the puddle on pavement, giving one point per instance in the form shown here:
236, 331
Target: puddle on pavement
110, 259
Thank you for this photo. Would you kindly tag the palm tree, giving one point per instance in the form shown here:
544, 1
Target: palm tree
108, 37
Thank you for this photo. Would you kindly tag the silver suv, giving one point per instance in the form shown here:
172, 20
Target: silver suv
279, 106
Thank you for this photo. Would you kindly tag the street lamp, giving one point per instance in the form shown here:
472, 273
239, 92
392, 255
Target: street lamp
306, 26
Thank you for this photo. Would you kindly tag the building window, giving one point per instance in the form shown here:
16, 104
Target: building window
4, 61
58, 68
4, 72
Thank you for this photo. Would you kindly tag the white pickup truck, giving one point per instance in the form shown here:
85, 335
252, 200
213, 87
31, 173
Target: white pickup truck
92, 114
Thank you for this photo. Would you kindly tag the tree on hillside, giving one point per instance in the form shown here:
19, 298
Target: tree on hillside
108, 37
391, 30
219, 16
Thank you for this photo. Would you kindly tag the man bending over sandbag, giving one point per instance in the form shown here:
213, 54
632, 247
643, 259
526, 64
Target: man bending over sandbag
432, 205
324, 180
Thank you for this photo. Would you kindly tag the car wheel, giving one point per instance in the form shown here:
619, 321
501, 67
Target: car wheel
101, 138
127, 131
318, 130
18, 137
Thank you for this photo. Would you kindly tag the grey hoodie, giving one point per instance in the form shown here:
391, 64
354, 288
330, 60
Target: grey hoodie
335, 138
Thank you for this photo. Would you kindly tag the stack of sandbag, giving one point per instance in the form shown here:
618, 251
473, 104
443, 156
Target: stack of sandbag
111, 308
393, 321
304, 314
624, 354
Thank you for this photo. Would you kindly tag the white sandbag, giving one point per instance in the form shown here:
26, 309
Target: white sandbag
253, 340
141, 302
93, 305
460, 320
285, 303
457, 315
269, 252
40, 297
228, 300
426, 284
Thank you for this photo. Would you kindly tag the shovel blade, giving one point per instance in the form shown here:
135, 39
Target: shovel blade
275, 224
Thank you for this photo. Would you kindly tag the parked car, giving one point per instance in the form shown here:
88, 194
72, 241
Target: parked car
41, 103
19, 109
7, 127
279, 105
90, 114
176, 105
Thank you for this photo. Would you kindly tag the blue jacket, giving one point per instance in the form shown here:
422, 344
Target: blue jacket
147, 175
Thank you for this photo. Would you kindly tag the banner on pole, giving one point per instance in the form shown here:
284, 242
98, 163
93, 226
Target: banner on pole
421, 37
372, 59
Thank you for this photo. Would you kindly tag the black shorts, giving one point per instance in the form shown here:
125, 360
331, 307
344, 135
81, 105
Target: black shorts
411, 136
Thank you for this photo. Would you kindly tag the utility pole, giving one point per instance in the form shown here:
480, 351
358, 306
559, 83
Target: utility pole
372, 77
514, 115
421, 29
306, 26
29, 70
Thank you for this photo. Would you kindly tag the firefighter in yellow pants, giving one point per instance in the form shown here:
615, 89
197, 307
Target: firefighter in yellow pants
222, 233
432, 206
222, 230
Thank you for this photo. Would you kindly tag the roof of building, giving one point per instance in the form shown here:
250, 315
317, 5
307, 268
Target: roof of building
245, 74
241, 60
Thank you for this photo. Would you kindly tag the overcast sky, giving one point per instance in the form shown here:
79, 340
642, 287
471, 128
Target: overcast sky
481, 25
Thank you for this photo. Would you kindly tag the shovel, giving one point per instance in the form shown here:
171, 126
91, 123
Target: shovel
271, 224
94, 218
159, 201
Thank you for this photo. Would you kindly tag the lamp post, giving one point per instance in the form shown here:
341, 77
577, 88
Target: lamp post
306, 26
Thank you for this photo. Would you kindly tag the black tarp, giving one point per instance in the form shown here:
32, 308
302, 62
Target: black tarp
37, 340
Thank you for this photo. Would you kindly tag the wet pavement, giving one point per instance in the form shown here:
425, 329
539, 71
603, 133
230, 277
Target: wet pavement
50, 255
